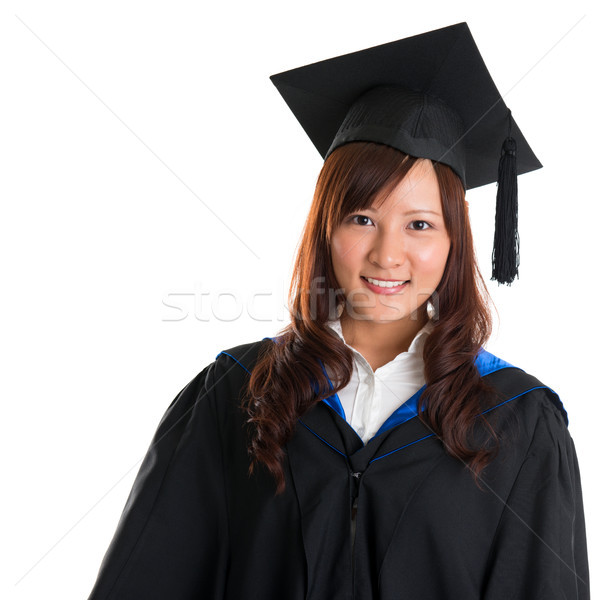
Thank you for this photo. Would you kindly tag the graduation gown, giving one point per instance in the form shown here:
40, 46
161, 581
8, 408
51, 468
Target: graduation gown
395, 518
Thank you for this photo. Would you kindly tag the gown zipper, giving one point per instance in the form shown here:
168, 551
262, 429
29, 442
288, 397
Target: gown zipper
353, 510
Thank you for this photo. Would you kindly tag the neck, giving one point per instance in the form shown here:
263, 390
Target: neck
382, 341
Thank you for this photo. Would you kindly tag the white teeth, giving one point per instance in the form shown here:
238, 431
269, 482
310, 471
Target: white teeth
388, 284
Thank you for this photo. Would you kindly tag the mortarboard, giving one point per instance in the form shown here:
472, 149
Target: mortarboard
430, 96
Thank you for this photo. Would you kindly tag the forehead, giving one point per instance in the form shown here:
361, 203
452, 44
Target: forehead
419, 188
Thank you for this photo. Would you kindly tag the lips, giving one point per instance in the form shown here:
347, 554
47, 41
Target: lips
385, 286
385, 282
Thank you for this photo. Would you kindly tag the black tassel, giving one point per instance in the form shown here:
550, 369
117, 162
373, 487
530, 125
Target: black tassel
505, 258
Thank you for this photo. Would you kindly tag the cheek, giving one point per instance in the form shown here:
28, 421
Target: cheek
431, 259
344, 252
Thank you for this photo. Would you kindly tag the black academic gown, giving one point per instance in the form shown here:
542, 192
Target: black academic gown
196, 526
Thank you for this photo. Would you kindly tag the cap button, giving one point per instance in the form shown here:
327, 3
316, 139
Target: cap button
509, 146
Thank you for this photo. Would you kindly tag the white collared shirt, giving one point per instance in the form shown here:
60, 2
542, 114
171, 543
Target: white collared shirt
372, 396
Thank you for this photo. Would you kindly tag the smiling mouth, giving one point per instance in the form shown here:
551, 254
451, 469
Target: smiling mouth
383, 283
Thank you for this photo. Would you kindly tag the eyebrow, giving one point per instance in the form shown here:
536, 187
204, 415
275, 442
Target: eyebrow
412, 212
418, 211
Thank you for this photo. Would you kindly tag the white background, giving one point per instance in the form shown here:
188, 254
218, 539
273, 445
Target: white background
146, 159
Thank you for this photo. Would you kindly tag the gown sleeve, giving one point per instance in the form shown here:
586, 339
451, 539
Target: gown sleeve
171, 540
539, 551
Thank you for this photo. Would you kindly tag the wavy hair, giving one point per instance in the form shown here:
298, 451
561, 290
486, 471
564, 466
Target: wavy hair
289, 378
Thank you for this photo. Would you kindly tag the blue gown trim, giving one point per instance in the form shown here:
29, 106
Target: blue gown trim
333, 401
538, 387
402, 447
234, 358
486, 363
322, 439
403, 413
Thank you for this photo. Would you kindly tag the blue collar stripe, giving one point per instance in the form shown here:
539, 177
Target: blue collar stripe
485, 362
426, 436
322, 439
234, 358
333, 401
402, 447
403, 413
538, 387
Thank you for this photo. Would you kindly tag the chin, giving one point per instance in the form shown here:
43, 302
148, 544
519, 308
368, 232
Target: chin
381, 317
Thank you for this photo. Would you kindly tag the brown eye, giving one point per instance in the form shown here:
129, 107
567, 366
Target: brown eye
360, 219
420, 225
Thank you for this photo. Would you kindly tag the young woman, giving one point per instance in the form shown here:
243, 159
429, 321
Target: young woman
373, 449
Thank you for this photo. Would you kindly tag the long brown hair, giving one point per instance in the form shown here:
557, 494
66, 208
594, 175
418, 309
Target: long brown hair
288, 377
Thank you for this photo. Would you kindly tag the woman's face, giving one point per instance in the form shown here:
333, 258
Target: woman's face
401, 239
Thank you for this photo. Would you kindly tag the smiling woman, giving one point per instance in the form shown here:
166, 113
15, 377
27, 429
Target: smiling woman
391, 250
367, 221
374, 449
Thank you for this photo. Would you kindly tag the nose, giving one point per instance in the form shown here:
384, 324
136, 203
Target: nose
388, 250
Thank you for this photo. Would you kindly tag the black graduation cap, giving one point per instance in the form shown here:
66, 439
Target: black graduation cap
430, 96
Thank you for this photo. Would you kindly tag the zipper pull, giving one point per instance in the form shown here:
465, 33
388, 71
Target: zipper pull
356, 478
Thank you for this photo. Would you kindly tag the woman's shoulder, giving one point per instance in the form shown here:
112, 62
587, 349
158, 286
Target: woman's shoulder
229, 372
522, 396
241, 357
230, 367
